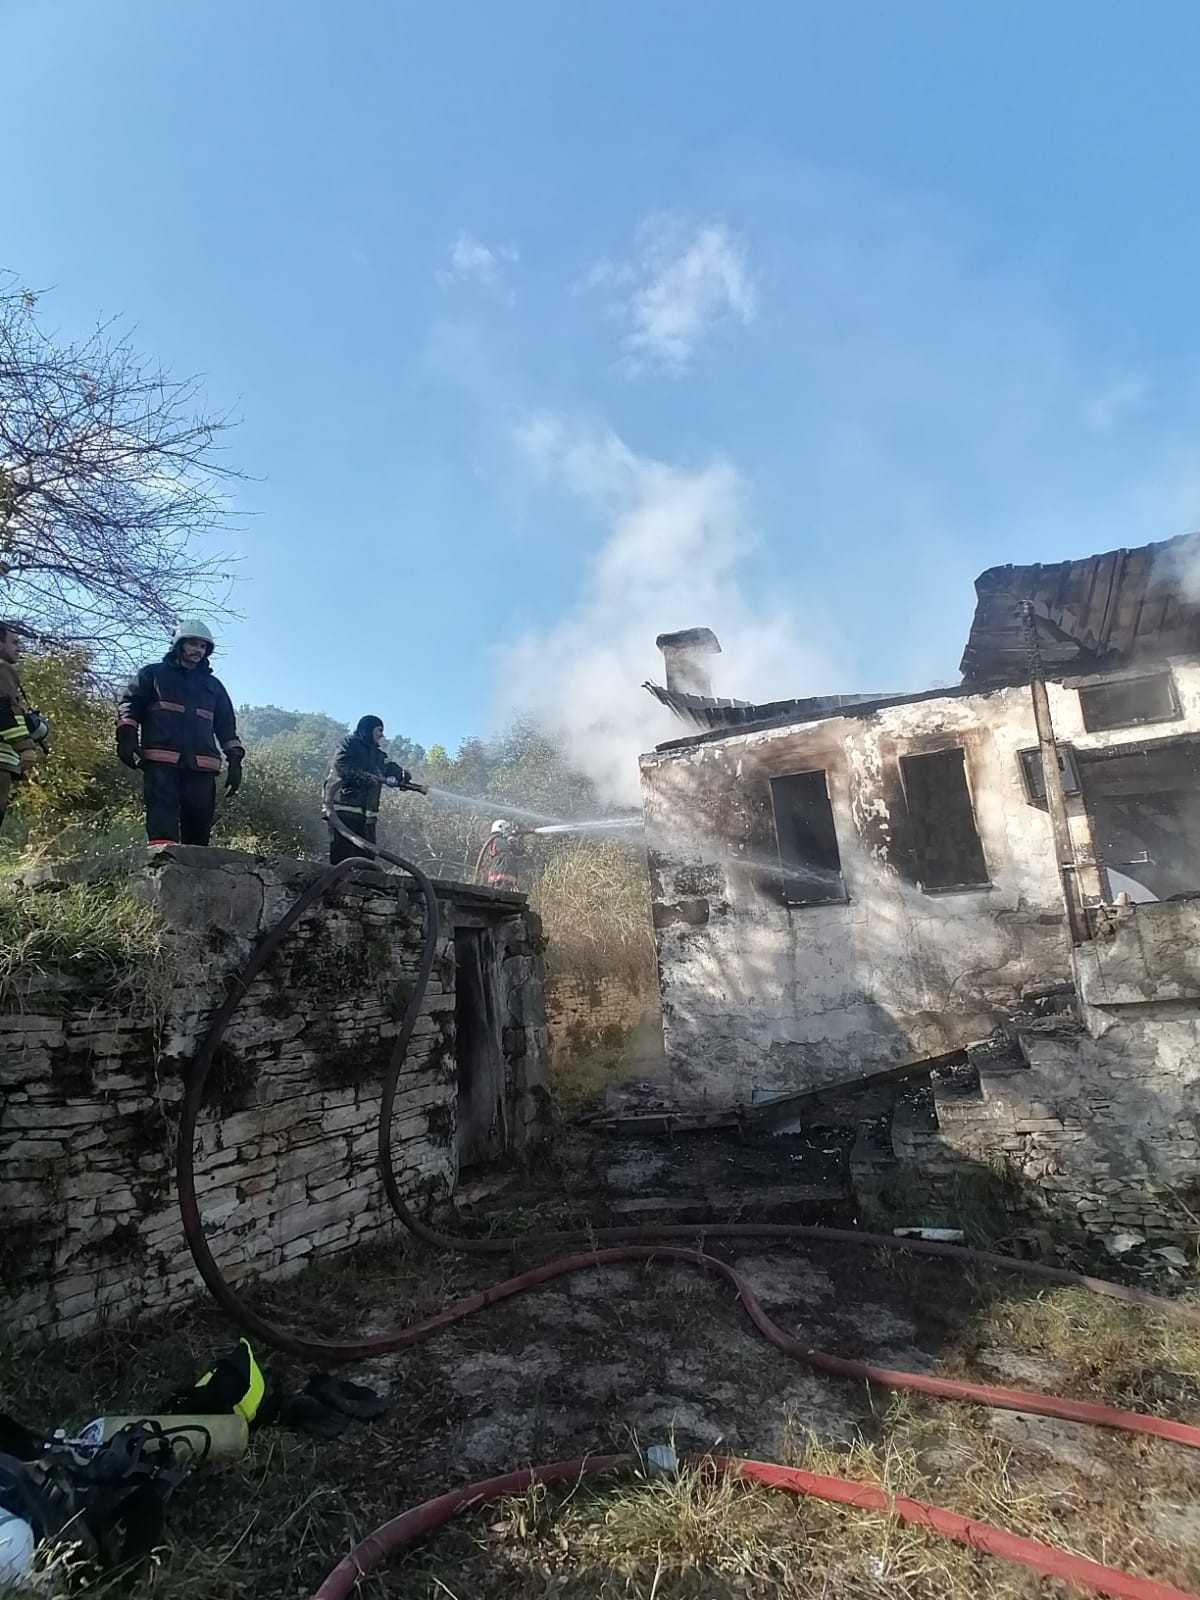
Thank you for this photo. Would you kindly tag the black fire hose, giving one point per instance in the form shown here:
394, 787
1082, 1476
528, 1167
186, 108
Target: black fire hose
587, 1240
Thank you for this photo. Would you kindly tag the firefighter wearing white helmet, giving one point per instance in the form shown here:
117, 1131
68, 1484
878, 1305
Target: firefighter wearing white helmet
193, 628
176, 724
502, 857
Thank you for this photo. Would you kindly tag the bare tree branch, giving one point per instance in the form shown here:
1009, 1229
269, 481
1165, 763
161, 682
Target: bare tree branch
110, 478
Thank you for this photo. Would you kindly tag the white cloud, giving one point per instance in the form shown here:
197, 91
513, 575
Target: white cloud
680, 285
472, 261
1113, 404
675, 540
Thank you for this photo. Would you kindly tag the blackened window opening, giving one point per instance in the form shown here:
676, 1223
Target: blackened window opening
1034, 776
1144, 806
947, 853
807, 838
1126, 702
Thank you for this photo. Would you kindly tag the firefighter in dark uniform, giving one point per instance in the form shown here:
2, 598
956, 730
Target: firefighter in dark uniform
355, 782
175, 722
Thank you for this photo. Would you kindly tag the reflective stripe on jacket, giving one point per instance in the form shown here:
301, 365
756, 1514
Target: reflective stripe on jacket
185, 716
504, 859
14, 735
355, 780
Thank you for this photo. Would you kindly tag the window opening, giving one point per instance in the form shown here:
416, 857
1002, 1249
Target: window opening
947, 852
1126, 702
807, 839
1035, 779
1144, 809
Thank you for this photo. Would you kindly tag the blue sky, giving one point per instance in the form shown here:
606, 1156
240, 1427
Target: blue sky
555, 325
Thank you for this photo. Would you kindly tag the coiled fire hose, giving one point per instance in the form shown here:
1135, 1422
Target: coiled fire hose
655, 1241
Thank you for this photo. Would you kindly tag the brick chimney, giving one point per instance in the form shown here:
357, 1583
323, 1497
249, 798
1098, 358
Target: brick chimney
684, 655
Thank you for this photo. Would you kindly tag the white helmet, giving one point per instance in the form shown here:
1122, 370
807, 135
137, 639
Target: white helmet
500, 826
192, 628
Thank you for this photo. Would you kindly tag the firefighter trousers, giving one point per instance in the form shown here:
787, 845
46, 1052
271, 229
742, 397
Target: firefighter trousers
359, 822
7, 780
180, 804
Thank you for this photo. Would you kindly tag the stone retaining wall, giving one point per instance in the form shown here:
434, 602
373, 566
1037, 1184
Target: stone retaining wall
583, 1013
91, 1077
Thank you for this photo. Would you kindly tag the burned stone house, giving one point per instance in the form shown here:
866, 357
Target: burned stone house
843, 884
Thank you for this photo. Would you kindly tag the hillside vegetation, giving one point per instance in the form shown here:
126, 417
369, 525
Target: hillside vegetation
591, 892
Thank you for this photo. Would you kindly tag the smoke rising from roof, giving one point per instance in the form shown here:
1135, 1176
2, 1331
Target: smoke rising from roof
673, 556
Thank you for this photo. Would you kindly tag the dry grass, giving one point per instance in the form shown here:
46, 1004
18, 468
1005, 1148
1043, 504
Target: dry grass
85, 930
699, 1534
594, 901
1127, 1355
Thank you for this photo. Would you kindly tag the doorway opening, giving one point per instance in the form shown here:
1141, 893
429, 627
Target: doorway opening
480, 1099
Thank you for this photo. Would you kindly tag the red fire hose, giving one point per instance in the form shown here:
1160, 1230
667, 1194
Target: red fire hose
394, 1536
348, 1350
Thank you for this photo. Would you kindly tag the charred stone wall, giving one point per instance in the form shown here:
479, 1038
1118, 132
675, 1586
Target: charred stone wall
762, 990
90, 1082
1100, 1121
583, 1013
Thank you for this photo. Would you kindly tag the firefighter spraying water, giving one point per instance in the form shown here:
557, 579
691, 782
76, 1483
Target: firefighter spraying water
505, 853
503, 856
360, 772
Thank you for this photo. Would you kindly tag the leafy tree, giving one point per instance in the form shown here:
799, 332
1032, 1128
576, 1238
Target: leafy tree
276, 811
257, 724
82, 777
303, 741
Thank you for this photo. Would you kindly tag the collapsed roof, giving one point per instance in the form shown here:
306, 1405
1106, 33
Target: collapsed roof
1095, 613
1092, 614
710, 713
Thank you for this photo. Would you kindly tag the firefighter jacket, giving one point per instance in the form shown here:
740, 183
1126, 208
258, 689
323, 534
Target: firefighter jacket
504, 858
14, 733
185, 716
355, 780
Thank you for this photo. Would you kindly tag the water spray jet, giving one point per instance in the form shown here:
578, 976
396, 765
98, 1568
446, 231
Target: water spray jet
488, 805
597, 825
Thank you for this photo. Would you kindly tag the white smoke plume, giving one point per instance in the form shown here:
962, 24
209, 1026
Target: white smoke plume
676, 541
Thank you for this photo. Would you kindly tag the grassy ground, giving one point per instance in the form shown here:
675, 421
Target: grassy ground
627, 1357
84, 928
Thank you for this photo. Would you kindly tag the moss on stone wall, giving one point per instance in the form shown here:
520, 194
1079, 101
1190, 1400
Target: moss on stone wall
230, 1085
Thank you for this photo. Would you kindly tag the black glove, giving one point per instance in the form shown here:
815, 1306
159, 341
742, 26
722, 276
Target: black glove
397, 775
233, 778
127, 748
